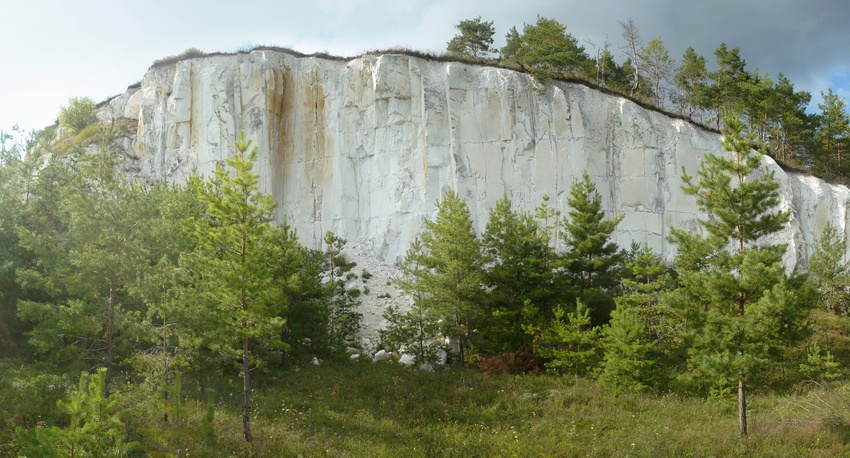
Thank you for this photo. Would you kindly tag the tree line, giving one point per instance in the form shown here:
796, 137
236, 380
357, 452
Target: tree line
769, 107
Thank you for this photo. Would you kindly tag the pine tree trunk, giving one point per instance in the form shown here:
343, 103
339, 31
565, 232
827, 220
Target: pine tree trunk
460, 342
742, 406
110, 325
246, 389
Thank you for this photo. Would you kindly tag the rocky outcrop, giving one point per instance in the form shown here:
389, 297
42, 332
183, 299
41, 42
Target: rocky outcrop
365, 147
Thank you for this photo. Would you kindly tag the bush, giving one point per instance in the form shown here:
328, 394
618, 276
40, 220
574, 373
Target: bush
79, 114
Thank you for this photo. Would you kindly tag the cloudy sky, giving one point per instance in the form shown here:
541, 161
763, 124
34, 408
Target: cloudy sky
51, 50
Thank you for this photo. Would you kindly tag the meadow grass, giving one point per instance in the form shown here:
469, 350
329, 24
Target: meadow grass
384, 410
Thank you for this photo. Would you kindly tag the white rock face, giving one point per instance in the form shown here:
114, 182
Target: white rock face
366, 147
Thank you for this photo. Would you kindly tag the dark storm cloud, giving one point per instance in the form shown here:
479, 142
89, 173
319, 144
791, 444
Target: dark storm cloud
808, 41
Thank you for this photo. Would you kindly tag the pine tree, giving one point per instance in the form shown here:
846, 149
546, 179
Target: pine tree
230, 298
417, 329
476, 37
591, 256
691, 79
628, 360
17, 167
571, 345
555, 282
832, 137
638, 330
453, 282
546, 49
740, 306
790, 129
725, 94
343, 317
645, 280
517, 276
513, 44
830, 272
95, 428
90, 259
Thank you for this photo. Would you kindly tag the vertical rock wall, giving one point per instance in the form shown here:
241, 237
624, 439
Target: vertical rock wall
365, 147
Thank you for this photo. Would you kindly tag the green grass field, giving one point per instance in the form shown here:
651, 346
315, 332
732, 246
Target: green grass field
383, 410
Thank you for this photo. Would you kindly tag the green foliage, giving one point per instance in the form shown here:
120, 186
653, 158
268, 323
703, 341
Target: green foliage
475, 38
831, 138
628, 363
831, 274
95, 428
740, 307
84, 225
343, 317
591, 257
518, 276
789, 126
645, 279
15, 183
725, 96
819, 366
78, 114
691, 78
452, 278
230, 298
417, 330
546, 49
641, 332
308, 307
571, 346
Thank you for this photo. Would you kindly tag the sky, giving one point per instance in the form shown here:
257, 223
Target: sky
52, 50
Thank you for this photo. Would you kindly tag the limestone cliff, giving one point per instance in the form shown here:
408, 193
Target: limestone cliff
365, 147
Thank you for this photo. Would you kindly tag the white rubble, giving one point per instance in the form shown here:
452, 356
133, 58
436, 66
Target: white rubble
365, 148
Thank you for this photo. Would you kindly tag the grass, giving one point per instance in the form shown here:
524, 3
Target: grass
384, 410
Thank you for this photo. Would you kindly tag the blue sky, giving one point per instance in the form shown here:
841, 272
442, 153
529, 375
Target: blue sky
53, 50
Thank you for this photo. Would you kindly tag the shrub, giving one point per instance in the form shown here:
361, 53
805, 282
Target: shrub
95, 428
78, 114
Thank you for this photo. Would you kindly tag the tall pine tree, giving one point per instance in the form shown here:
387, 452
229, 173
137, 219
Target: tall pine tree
231, 299
453, 280
90, 257
591, 258
740, 306
517, 276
